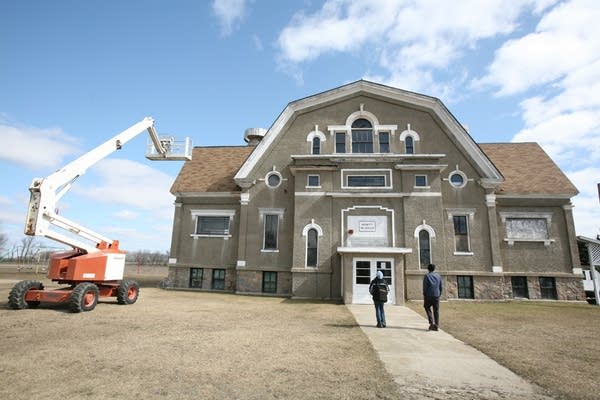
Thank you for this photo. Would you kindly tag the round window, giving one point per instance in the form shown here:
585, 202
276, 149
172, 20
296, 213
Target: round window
273, 179
457, 179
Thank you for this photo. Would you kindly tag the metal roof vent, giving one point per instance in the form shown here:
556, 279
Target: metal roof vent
253, 136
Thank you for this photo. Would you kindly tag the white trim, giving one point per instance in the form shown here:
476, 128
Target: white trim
378, 194
241, 263
409, 132
419, 167
462, 212
497, 269
426, 186
526, 214
390, 210
213, 213
374, 250
305, 230
362, 114
269, 174
462, 174
279, 212
317, 133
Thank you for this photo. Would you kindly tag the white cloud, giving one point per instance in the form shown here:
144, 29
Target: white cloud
407, 39
35, 147
587, 203
566, 38
130, 183
126, 214
230, 13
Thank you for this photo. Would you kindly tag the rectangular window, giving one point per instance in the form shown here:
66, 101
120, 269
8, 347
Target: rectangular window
366, 181
269, 282
340, 142
314, 181
420, 180
218, 279
196, 277
461, 233
363, 272
384, 142
316, 145
217, 225
548, 288
271, 225
465, 287
362, 141
519, 287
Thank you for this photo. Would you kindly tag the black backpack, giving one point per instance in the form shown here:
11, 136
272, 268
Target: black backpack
380, 292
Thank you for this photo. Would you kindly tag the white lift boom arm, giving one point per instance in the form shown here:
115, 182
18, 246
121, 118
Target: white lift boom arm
46, 192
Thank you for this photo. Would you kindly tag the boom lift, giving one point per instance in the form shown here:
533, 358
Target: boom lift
95, 265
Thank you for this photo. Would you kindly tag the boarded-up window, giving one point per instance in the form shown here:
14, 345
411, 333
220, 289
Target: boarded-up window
526, 228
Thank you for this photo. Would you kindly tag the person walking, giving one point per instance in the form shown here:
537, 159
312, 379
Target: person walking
379, 290
432, 290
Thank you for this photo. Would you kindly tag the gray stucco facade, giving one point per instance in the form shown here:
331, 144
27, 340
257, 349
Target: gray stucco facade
367, 177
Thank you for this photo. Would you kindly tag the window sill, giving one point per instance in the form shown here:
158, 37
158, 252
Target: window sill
269, 251
312, 187
196, 236
422, 187
547, 242
464, 253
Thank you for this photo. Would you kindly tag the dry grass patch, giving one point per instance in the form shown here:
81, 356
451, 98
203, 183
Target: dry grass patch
183, 345
553, 344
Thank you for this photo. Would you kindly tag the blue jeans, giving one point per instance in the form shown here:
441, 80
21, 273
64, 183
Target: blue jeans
379, 313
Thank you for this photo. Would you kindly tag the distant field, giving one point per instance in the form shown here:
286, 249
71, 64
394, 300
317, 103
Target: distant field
553, 344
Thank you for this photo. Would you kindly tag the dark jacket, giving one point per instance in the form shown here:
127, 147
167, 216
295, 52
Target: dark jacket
432, 285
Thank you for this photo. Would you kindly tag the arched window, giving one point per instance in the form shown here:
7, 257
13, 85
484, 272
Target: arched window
312, 246
409, 145
316, 145
424, 248
362, 136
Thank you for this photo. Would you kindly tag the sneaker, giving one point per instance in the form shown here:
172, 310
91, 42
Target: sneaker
379, 325
431, 327
435, 327
383, 325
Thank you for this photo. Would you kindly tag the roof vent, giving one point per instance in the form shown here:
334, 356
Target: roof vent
253, 136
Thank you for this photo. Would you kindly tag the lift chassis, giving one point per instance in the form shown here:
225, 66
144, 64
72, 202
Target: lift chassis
95, 266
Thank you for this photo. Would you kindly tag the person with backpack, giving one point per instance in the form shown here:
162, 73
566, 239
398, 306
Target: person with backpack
379, 290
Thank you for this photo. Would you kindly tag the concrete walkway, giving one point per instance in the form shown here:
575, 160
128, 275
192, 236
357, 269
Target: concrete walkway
435, 365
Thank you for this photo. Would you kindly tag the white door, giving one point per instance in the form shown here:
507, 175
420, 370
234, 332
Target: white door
364, 270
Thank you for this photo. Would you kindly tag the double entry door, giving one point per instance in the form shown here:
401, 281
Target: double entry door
364, 270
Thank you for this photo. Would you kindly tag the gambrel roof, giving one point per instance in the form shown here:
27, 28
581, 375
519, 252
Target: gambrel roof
457, 134
514, 169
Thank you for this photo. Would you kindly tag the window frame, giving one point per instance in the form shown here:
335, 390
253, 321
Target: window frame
522, 292
426, 183
218, 213
457, 235
524, 215
192, 270
316, 145
218, 283
318, 185
269, 285
424, 262
544, 290
340, 144
381, 135
385, 173
362, 137
315, 248
267, 213
409, 148
462, 291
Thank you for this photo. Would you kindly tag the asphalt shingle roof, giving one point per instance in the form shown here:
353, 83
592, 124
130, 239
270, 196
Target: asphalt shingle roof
211, 169
527, 170
526, 167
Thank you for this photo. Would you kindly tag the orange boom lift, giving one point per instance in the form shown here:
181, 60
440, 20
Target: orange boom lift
95, 265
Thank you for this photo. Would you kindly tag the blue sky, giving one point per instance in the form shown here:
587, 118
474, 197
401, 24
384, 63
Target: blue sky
75, 73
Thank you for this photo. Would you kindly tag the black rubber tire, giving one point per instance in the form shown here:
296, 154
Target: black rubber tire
84, 297
128, 292
16, 297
